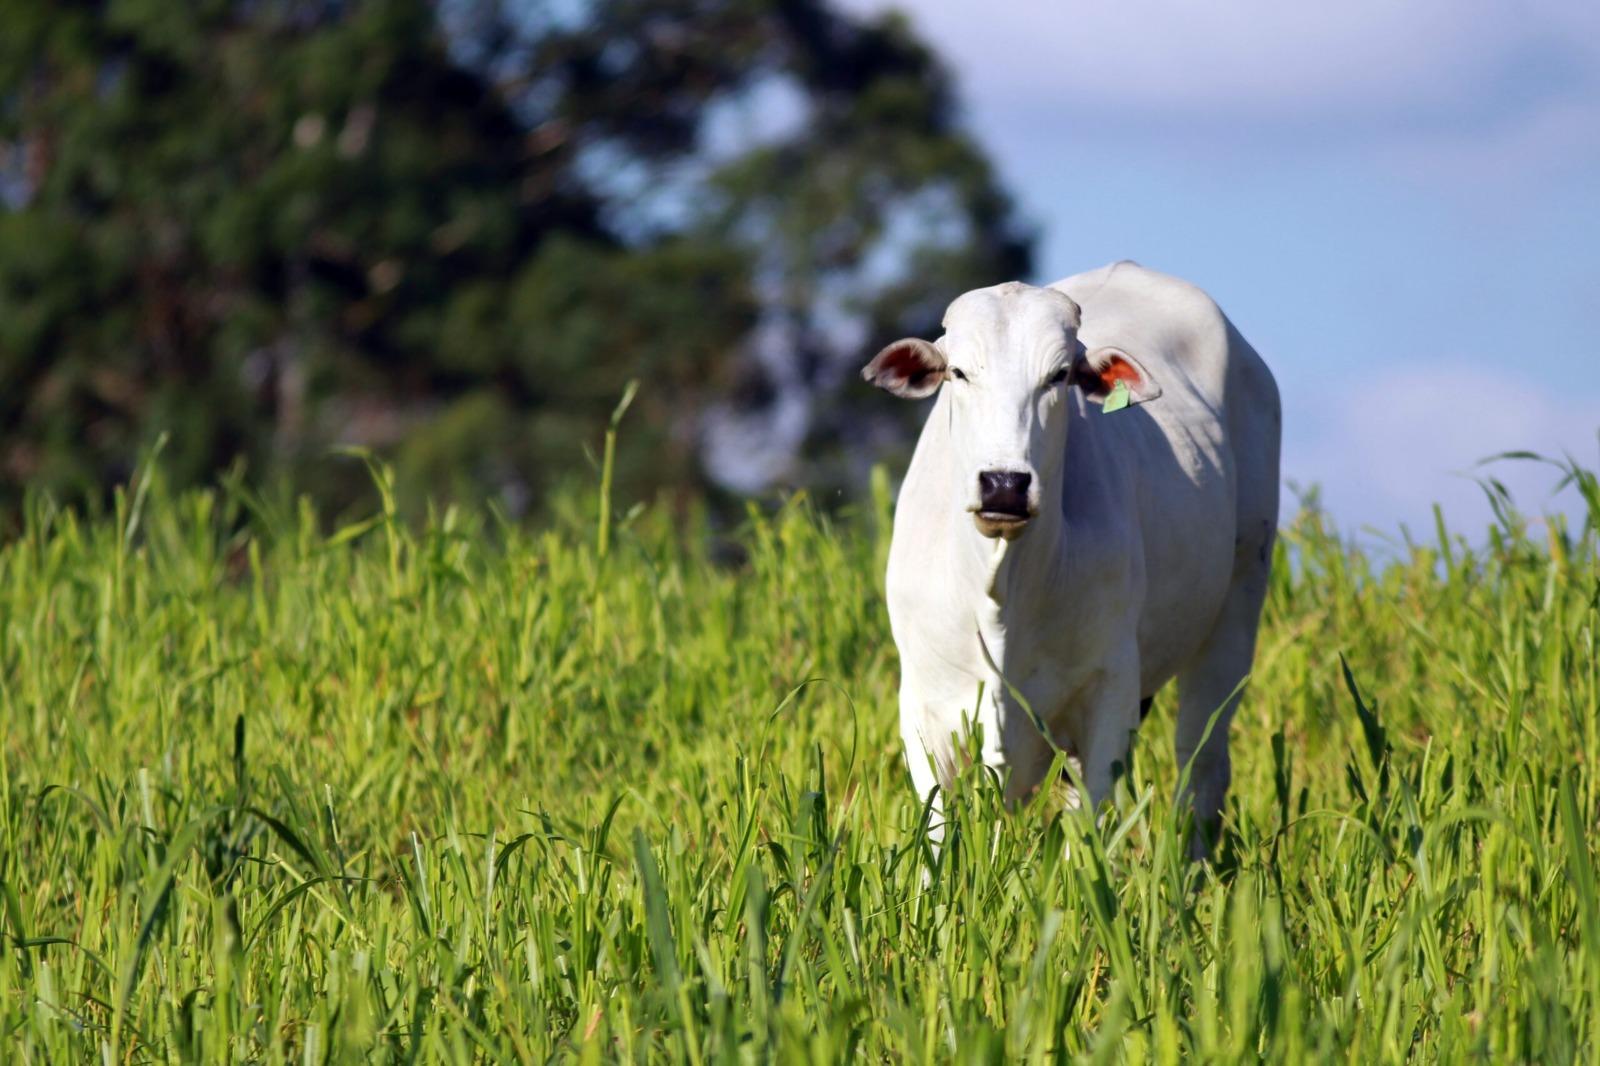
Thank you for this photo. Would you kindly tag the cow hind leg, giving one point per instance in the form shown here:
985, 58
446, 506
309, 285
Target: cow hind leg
1211, 685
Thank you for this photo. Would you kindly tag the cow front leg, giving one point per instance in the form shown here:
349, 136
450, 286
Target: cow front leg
925, 781
928, 755
1106, 731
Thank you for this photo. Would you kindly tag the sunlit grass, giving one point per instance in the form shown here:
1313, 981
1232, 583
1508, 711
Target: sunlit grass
468, 792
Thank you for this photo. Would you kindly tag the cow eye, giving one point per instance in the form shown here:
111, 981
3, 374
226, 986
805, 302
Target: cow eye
957, 373
1057, 378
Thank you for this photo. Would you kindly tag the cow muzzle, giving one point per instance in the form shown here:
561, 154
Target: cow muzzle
1004, 508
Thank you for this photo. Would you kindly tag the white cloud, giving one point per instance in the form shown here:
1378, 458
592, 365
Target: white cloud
1556, 136
1242, 63
1388, 446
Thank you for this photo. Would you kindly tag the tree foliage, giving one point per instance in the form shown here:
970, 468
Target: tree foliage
453, 231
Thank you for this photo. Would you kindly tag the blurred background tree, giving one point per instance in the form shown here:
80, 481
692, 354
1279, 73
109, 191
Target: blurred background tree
452, 231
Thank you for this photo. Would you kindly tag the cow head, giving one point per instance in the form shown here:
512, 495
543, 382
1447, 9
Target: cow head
1007, 359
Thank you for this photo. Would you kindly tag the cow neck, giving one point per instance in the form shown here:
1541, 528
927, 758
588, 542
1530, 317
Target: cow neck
1004, 569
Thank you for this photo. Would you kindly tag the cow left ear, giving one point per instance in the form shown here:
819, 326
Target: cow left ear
1099, 371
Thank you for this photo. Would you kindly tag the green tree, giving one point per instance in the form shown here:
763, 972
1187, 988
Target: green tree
453, 231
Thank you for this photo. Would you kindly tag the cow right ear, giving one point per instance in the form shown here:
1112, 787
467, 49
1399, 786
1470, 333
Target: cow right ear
911, 369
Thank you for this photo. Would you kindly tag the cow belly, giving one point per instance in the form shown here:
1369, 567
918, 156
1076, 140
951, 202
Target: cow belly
1188, 572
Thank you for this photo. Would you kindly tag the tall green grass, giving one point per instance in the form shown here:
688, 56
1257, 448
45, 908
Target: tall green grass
465, 792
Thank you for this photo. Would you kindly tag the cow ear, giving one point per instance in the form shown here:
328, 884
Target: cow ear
909, 368
1100, 371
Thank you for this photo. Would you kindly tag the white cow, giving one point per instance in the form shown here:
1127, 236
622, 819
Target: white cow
1079, 551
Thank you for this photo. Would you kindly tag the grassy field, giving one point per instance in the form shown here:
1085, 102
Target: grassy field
461, 792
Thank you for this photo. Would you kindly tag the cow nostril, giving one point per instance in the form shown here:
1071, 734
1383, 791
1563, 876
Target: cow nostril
1004, 491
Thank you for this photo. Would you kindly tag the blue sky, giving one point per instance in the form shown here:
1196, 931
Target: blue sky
1398, 203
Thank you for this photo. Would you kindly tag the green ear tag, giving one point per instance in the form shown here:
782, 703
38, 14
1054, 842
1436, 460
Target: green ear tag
1117, 400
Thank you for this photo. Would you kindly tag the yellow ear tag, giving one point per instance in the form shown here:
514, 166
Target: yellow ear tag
1117, 400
